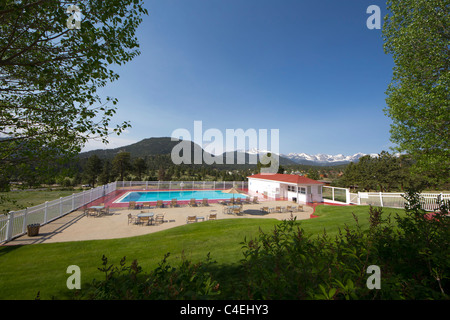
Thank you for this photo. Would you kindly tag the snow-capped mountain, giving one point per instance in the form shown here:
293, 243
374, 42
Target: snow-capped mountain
324, 158
317, 159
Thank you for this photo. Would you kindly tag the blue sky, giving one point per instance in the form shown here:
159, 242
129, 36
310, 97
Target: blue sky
311, 69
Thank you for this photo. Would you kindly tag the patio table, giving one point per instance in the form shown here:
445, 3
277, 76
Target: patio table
98, 209
146, 214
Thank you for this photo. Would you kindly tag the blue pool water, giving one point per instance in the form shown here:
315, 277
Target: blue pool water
180, 195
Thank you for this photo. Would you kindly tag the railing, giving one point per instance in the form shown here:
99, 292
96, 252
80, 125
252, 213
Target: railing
429, 201
15, 223
182, 185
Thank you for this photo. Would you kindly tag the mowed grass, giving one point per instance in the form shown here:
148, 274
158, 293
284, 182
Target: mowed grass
23, 199
27, 270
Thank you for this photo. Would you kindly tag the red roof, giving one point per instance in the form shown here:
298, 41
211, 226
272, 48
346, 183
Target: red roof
289, 178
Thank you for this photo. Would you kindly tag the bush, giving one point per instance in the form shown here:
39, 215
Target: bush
413, 257
412, 254
188, 281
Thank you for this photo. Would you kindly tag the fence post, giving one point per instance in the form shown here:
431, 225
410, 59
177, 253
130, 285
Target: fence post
381, 199
24, 225
73, 201
9, 227
359, 199
60, 206
347, 196
45, 211
332, 193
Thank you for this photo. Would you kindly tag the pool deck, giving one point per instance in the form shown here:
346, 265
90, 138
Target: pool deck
75, 226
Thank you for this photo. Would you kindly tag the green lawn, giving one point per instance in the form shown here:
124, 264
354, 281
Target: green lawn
25, 270
23, 199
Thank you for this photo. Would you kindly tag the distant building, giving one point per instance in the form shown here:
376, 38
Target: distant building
285, 187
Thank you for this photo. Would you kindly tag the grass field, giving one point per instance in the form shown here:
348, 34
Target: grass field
22, 199
25, 270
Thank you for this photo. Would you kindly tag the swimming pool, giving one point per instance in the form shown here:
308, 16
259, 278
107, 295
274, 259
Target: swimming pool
180, 195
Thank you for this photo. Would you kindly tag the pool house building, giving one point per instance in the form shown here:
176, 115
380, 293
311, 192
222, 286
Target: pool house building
290, 187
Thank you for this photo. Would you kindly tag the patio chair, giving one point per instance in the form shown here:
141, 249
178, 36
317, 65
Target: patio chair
105, 211
237, 210
212, 216
278, 209
289, 208
255, 199
191, 219
132, 205
131, 219
174, 203
142, 220
265, 209
159, 204
159, 218
247, 200
205, 202
192, 203
300, 208
238, 201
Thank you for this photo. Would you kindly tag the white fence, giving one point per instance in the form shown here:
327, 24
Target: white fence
182, 185
15, 223
429, 201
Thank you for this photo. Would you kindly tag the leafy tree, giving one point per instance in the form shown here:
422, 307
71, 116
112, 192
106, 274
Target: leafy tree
122, 164
416, 34
93, 168
139, 166
49, 75
106, 174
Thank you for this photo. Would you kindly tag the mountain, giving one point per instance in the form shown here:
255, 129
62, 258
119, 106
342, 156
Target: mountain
317, 159
324, 159
165, 145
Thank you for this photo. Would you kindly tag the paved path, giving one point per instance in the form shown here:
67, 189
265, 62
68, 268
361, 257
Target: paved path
77, 227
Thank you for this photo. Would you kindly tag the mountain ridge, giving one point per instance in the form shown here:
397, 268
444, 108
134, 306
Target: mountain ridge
164, 145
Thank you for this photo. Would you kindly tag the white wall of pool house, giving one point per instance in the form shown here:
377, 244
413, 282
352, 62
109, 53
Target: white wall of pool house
280, 190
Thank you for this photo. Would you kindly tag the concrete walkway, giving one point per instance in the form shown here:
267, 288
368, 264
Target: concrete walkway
76, 226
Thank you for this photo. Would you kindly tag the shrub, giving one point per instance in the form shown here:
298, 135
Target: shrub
188, 281
412, 254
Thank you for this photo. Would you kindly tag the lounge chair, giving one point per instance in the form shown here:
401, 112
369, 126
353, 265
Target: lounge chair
205, 202
289, 209
255, 199
159, 218
237, 210
191, 219
278, 209
159, 204
265, 209
174, 203
192, 203
300, 208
